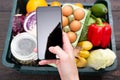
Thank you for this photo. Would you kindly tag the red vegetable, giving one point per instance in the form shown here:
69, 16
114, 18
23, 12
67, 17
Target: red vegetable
100, 33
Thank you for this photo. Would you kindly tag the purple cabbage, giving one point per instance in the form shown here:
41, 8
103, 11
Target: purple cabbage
17, 24
30, 21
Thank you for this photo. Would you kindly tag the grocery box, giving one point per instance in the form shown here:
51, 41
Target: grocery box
9, 61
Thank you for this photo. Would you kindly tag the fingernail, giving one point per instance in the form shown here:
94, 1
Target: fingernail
40, 63
51, 48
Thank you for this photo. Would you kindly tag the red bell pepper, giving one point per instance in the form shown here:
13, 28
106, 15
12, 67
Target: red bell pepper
99, 33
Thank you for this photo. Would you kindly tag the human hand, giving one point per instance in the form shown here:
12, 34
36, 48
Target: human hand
66, 63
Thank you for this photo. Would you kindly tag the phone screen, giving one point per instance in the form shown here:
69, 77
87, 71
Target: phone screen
49, 30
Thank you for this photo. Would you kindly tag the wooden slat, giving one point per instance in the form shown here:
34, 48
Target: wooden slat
116, 21
5, 5
4, 21
115, 5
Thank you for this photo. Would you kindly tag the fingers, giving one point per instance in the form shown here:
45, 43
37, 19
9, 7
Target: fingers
35, 50
65, 38
66, 43
57, 50
45, 62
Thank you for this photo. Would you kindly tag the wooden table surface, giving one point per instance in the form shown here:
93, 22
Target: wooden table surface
10, 74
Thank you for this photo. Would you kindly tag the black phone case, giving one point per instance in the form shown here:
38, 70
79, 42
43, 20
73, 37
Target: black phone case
49, 30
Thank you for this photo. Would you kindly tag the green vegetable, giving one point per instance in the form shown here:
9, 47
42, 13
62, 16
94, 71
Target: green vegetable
91, 21
83, 36
101, 58
99, 10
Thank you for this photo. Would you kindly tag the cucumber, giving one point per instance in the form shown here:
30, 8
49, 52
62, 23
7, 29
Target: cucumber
83, 36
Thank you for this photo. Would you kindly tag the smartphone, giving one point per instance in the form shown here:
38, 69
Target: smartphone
49, 30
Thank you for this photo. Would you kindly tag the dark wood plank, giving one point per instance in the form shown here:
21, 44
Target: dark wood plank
6, 5
116, 21
4, 21
115, 5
